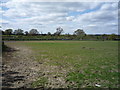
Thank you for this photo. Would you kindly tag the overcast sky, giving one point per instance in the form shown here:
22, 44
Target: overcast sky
92, 17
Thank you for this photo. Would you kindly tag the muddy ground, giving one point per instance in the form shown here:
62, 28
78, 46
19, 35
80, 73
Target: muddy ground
20, 69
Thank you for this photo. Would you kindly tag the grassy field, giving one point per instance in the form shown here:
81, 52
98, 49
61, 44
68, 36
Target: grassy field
87, 63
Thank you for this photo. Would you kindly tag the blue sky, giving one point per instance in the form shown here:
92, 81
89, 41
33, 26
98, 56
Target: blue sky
86, 11
92, 17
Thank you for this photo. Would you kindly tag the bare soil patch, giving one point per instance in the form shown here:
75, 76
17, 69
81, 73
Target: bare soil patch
20, 69
17, 67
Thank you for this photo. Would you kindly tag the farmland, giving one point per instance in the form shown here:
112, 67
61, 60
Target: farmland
81, 64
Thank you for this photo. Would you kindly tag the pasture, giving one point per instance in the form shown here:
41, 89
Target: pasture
81, 64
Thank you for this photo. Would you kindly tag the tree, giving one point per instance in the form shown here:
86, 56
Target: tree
3, 33
59, 31
8, 31
18, 32
104, 36
26, 33
33, 32
112, 36
80, 33
48, 33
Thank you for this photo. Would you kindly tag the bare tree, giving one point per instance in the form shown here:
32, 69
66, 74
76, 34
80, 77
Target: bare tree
59, 30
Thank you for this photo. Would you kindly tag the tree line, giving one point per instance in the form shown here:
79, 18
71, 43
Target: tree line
59, 30
34, 34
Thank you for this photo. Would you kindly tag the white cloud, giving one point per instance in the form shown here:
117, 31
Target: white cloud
4, 21
104, 20
64, 0
91, 25
50, 15
70, 18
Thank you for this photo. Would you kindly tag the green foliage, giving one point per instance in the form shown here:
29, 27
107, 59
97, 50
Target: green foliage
33, 32
60, 37
26, 33
79, 32
18, 32
8, 32
49, 33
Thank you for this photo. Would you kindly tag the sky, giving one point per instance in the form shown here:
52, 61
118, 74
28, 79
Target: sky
93, 17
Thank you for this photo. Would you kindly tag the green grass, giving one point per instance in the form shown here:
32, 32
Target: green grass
92, 62
39, 83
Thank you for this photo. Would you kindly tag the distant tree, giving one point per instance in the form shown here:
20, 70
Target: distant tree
26, 33
67, 34
33, 32
8, 31
3, 32
48, 33
59, 30
79, 33
112, 36
104, 36
18, 32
